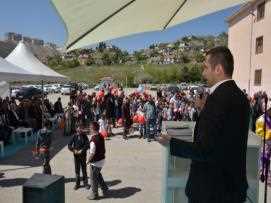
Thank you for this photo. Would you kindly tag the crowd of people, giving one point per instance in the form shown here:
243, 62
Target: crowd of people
24, 113
110, 107
90, 119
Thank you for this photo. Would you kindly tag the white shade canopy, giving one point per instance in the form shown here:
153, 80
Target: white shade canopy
92, 21
13, 73
4, 89
21, 56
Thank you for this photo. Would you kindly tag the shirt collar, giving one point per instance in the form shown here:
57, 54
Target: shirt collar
213, 88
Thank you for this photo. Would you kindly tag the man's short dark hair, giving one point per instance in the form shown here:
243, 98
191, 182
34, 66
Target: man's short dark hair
95, 126
221, 55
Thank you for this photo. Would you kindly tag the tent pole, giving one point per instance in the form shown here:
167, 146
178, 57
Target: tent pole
10, 90
42, 104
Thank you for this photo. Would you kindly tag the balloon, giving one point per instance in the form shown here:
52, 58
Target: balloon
141, 119
135, 119
104, 133
100, 94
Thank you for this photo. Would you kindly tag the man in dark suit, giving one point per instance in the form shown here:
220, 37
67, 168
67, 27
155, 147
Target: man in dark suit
218, 152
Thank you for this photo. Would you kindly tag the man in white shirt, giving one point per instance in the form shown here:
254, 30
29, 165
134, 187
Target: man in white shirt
220, 137
96, 160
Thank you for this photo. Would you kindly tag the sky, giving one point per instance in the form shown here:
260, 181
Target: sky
38, 19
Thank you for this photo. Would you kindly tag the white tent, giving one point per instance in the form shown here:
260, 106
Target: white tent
4, 89
12, 73
21, 56
92, 21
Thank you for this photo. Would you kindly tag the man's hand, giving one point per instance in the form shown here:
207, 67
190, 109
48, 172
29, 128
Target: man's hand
164, 139
90, 158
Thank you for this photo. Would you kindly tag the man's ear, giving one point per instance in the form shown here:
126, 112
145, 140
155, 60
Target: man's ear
219, 69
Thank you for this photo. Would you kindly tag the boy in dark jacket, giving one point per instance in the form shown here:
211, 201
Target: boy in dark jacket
79, 145
43, 147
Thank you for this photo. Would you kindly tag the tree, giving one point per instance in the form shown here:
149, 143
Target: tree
173, 74
199, 57
90, 61
71, 63
222, 39
152, 46
154, 53
101, 47
54, 61
140, 56
106, 59
185, 75
186, 39
176, 45
210, 43
184, 58
117, 56
143, 78
124, 57
195, 73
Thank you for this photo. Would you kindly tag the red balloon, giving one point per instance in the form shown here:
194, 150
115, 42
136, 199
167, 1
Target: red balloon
104, 133
135, 119
141, 119
100, 94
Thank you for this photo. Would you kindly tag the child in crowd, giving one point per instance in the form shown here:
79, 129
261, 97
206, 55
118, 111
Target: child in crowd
43, 147
96, 160
103, 126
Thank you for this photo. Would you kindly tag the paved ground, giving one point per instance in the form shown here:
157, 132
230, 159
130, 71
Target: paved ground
133, 171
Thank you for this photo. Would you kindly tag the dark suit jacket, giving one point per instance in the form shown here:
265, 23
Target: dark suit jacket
218, 153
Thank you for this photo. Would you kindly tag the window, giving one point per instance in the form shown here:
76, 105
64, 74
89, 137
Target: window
260, 11
259, 45
258, 77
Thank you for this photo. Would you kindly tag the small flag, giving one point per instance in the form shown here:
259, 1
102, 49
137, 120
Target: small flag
260, 126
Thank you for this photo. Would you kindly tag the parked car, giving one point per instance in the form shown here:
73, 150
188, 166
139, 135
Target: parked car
14, 92
55, 88
103, 83
66, 89
183, 86
153, 87
28, 93
47, 89
172, 88
83, 86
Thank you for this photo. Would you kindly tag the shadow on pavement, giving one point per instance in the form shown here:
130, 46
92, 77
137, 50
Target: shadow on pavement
122, 192
16, 169
112, 182
12, 182
24, 157
108, 183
